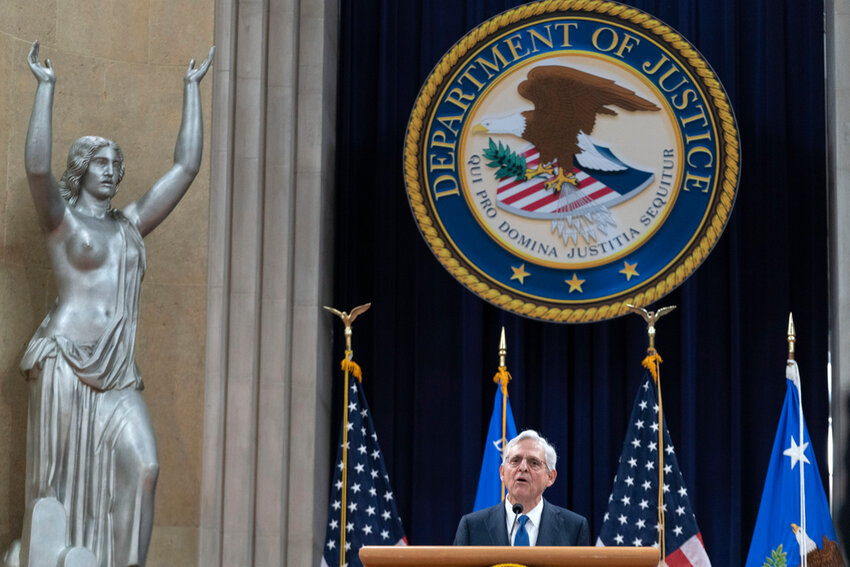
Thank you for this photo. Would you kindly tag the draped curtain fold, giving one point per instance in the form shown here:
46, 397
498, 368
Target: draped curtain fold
428, 347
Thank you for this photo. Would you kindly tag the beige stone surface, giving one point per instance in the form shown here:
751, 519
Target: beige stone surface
5, 120
112, 29
173, 546
16, 294
24, 243
120, 68
179, 31
170, 355
35, 19
182, 237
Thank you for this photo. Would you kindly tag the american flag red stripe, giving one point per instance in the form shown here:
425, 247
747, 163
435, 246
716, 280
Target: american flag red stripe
522, 194
532, 196
690, 554
540, 203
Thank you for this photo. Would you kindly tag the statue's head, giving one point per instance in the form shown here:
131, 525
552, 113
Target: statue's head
79, 157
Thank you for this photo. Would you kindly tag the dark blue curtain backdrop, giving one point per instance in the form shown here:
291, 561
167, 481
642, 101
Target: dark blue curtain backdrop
428, 347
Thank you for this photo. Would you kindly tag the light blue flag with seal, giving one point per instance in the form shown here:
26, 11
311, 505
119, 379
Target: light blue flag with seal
780, 527
490, 491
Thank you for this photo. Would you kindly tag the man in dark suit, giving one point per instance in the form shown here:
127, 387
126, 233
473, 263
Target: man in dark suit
525, 517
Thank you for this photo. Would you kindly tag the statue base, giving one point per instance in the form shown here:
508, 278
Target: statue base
43, 542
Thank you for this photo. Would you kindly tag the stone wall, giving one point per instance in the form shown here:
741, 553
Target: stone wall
837, 24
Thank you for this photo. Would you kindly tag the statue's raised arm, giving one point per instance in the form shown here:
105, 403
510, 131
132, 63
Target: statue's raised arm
49, 204
152, 208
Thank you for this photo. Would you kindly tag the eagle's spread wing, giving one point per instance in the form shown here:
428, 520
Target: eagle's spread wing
567, 101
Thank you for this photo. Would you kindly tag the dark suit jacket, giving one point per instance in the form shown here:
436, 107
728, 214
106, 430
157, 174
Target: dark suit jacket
558, 526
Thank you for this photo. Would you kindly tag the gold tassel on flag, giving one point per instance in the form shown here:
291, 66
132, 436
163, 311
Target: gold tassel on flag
652, 362
349, 367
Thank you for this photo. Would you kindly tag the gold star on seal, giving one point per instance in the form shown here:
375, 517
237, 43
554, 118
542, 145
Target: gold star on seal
520, 274
575, 283
629, 270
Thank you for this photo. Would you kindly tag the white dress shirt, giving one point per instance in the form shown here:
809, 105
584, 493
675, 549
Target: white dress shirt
532, 526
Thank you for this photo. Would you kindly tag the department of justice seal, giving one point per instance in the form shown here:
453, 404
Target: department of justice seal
566, 158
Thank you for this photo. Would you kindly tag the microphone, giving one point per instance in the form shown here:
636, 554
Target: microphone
517, 510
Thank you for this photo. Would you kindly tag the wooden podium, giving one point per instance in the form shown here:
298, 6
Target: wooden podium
455, 556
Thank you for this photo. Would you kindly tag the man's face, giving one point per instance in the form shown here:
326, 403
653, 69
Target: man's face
525, 474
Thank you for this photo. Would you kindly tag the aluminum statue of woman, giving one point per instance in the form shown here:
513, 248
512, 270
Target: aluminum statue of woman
90, 442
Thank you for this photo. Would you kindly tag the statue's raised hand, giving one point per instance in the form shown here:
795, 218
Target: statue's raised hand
194, 75
44, 73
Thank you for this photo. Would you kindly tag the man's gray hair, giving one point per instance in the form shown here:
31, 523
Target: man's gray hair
548, 450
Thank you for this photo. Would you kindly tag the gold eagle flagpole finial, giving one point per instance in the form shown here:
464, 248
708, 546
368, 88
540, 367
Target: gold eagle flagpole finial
651, 317
652, 362
348, 365
348, 319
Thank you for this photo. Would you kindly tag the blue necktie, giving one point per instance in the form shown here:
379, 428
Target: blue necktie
522, 535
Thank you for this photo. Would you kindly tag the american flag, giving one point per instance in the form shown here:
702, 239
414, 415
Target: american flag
371, 517
632, 516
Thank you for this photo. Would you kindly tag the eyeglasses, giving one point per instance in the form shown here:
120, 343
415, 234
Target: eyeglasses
533, 463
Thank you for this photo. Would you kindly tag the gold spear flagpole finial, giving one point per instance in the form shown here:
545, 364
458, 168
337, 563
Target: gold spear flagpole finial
503, 348
792, 336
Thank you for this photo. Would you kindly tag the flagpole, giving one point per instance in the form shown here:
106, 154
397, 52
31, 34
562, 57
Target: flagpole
502, 378
652, 362
348, 365
792, 338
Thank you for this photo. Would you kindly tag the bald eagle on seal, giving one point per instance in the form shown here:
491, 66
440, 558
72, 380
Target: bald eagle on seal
566, 103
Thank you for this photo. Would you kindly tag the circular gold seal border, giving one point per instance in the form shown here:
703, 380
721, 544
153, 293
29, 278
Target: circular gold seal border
684, 267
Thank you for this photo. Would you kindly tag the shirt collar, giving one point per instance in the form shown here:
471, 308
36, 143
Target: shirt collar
533, 514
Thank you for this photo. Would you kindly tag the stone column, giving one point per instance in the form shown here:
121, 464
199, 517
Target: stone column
837, 20
264, 493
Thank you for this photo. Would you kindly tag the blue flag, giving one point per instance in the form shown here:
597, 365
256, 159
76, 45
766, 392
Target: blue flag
490, 490
774, 534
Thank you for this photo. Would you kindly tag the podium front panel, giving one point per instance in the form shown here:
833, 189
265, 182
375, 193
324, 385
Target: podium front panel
474, 556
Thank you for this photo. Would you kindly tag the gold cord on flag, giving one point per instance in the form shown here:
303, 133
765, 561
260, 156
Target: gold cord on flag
652, 362
349, 367
344, 478
502, 378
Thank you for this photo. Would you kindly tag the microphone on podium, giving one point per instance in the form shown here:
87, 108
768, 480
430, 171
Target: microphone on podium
517, 510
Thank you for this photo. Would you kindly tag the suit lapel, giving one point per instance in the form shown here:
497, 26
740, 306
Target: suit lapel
551, 525
497, 525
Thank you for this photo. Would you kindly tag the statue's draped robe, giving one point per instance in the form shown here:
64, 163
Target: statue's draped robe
84, 413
